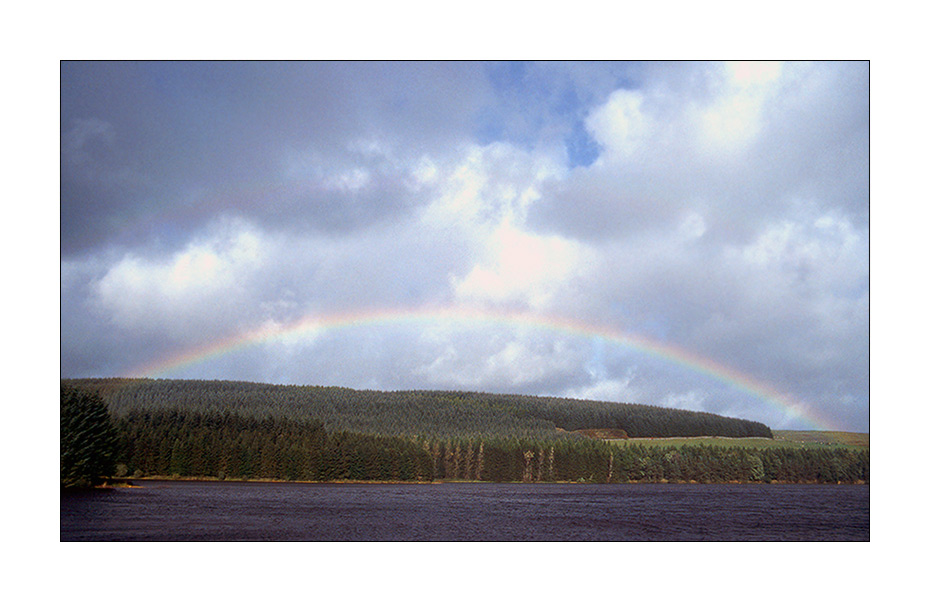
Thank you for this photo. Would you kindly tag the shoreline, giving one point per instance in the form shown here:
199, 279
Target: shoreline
126, 482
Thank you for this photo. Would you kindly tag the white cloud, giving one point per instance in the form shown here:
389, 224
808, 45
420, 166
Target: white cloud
482, 186
518, 363
620, 125
483, 198
196, 287
521, 267
733, 118
727, 214
499, 358
609, 389
690, 400
692, 226
826, 252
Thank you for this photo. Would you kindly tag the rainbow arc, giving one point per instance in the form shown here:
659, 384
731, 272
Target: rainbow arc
465, 317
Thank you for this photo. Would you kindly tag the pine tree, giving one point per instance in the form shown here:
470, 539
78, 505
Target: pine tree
89, 441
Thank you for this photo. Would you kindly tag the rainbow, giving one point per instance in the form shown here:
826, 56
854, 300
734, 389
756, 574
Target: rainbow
314, 324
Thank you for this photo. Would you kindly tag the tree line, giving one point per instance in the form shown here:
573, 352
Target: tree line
189, 442
227, 446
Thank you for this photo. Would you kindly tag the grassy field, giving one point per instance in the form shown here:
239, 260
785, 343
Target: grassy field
796, 439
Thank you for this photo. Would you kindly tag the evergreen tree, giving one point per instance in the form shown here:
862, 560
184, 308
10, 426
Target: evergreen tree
88, 440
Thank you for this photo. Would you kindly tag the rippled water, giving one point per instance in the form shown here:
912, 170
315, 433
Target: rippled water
222, 511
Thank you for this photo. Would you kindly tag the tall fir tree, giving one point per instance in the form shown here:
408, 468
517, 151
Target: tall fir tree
89, 442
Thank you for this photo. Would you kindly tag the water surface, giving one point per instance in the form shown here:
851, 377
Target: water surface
224, 511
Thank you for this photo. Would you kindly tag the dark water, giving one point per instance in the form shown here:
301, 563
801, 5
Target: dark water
179, 511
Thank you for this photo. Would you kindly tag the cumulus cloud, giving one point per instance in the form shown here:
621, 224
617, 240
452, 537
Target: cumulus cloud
608, 389
514, 359
733, 119
717, 208
197, 288
520, 267
620, 126
739, 149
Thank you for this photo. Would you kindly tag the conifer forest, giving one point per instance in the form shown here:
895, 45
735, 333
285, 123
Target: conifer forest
239, 430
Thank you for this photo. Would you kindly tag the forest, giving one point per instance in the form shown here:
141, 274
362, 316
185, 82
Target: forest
439, 414
227, 430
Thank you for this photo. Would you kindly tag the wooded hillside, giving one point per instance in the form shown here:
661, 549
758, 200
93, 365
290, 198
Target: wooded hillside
412, 413
254, 431
224, 446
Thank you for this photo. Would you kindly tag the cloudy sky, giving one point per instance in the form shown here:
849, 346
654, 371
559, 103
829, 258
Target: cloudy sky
690, 235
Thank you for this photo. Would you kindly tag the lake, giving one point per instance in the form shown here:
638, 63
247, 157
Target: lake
229, 511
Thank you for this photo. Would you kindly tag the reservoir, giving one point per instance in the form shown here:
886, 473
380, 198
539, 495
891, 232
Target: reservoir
231, 511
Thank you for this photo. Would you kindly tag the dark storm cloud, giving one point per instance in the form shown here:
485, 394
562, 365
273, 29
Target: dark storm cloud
147, 140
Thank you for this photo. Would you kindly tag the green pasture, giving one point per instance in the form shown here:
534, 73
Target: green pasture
791, 439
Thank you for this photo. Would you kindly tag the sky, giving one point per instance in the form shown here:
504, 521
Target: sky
683, 234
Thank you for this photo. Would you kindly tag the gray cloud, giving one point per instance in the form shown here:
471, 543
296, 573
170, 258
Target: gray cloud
203, 138
716, 210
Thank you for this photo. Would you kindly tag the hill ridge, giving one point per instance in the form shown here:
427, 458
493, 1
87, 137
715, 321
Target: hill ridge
414, 412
